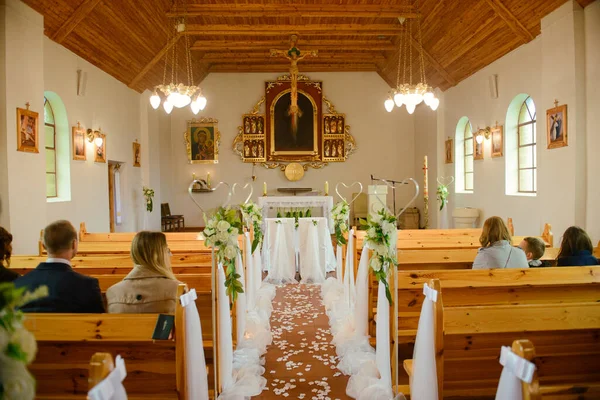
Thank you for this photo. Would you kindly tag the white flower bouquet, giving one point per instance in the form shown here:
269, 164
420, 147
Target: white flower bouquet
148, 194
381, 237
17, 345
221, 232
341, 214
252, 214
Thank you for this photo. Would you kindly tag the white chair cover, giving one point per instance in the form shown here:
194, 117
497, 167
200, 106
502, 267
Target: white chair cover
195, 364
423, 384
257, 264
111, 387
240, 303
250, 287
225, 349
516, 369
280, 252
339, 269
312, 259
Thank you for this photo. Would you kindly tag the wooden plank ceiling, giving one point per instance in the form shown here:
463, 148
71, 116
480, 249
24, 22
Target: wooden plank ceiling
128, 39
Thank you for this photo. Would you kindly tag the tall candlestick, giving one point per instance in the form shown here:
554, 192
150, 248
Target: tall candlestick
193, 176
425, 193
326, 188
264, 188
208, 180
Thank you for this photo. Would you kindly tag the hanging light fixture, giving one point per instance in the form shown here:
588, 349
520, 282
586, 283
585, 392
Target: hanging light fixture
407, 93
178, 94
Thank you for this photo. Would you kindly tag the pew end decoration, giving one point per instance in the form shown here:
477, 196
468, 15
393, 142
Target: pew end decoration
341, 214
148, 195
221, 232
252, 215
18, 347
443, 190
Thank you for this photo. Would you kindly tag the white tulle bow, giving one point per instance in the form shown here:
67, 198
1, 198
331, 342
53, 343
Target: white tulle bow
430, 293
187, 298
111, 388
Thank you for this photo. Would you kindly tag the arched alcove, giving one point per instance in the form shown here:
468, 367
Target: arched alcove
521, 119
62, 148
463, 163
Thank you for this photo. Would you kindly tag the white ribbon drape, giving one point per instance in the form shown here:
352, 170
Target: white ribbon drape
349, 284
196, 376
516, 369
423, 383
111, 387
240, 304
225, 349
250, 287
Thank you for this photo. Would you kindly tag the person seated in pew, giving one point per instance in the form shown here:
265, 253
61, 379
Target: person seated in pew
576, 249
6, 275
534, 249
497, 250
151, 287
68, 291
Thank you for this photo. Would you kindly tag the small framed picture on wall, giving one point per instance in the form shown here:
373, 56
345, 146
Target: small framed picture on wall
449, 148
27, 130
556, 125
137, 155
99, 147
477, 150
78, 137
497, 141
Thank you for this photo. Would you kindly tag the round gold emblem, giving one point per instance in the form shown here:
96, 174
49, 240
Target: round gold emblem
294, 172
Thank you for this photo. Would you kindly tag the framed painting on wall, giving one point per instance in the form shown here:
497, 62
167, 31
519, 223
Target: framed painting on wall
449, 146
556, 125
27, 130
497, 141
137, 156
477, 150
202, 139
78, 137
100, 151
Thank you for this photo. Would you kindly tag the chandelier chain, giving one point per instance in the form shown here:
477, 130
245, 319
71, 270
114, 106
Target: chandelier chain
399, 60
423, 79
166, 59
405, 51
410, 47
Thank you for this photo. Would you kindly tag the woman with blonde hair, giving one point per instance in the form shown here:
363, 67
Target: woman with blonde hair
151, 287
497, 250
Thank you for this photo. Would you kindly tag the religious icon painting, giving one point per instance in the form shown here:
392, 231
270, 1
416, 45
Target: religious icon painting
449, 147
477, 150
27, 130
497, 142
78, 137
556, 125
99, 151
202, 139
137, 155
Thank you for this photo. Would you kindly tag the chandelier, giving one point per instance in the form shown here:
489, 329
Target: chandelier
408, 93
177, 94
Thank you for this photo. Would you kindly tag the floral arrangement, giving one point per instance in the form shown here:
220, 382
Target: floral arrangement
252, 213
295, 213
221, 232
17, 344
148, 194
341, 214
381, 238
442, 195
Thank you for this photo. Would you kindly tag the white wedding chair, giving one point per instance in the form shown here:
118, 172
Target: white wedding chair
279, 254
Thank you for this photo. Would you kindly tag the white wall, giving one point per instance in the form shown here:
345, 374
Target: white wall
385, 140
426, 145
547, 68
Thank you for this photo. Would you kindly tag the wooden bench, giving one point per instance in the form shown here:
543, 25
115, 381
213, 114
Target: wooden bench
556, 308
155, 369
85, 236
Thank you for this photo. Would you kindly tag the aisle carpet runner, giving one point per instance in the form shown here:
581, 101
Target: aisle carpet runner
301, 362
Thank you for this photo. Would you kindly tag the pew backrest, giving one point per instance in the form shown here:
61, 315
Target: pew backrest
85, 236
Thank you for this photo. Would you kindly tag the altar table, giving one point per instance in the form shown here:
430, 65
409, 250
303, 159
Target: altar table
325, 203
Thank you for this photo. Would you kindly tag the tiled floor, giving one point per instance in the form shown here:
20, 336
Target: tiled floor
300, 364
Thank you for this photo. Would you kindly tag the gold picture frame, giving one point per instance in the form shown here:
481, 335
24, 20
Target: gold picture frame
137, 155
28, 134
78, 138
477, 149
497, 141
449, 151
100, 152
206, 150
556, 127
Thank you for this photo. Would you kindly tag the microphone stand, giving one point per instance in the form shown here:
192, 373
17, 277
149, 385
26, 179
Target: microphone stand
373, 179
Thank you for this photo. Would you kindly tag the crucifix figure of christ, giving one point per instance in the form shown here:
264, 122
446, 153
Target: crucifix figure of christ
293, 55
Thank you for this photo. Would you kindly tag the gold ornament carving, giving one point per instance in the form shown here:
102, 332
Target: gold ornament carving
294, 172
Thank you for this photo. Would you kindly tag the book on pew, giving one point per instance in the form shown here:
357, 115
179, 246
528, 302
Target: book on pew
164, 327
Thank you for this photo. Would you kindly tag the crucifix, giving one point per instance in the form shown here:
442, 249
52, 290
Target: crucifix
293, 55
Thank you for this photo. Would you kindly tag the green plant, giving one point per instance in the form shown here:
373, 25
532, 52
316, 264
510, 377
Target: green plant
253, 215
148, 194
442, 195
341, 214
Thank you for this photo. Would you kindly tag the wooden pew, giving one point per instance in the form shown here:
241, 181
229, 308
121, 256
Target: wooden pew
156, 369
556, 308
85, 236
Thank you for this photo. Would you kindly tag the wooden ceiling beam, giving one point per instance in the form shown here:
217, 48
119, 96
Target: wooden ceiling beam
513, 23
75, 19
296, 10
153, 62
266, 55
266, 45
286, 67
433, 62
285, 29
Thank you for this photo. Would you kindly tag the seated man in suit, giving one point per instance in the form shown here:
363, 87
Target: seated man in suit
68, 291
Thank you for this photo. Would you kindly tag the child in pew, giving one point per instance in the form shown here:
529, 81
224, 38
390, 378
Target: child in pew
534, 249
576, 249
151, 287
6, 275
497, 250
68, 291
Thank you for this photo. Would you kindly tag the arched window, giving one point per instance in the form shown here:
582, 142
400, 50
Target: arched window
50, 132
527, 162
463, 149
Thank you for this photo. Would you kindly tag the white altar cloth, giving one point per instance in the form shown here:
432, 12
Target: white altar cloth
323, 202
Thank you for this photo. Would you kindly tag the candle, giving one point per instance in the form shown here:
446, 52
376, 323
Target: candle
326, 188
193, 176
208, 180
264, 188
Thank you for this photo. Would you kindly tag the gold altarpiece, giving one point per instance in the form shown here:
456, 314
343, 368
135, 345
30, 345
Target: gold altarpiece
268, 136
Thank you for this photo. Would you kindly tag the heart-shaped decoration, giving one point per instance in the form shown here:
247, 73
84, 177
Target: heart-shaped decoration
391, 185
227, 200
246, 186
360, 186
445, 180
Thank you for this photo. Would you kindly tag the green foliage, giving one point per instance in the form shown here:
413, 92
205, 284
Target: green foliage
442, 195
